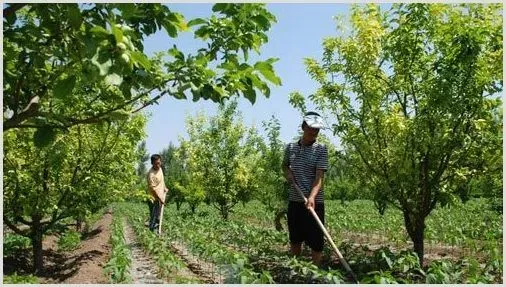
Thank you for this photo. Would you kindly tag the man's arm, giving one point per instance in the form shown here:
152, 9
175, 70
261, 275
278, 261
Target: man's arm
317, 186
285, 165
288, 174
322, 163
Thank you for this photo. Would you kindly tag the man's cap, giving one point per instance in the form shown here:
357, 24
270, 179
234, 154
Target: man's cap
314, 120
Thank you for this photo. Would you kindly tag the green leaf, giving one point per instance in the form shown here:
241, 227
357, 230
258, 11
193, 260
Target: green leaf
245, 52
171, 29
208, 92
44, 136
267, 71
387, 259
99, 32
103, 67
179, 95
261, 20
116, 31
140, 58
177, 20
196, 21
203, 32
220, 91
127, 9
114, 79
196, 95
74, 15
174, 52
219, 7
250, 93
64, 87
126, 90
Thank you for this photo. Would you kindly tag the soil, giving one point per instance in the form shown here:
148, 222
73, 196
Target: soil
82, 265
207, 272
144, 270
86, 263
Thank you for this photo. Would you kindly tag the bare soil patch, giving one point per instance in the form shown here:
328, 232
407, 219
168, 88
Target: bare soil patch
82, 265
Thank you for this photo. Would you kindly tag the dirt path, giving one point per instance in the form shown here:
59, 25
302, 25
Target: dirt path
143, 269
207, 271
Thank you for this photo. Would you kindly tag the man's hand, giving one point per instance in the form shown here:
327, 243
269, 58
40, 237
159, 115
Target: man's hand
166, 190
310, 202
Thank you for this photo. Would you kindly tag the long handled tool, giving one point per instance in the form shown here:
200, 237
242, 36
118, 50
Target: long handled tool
339, 255
161, 217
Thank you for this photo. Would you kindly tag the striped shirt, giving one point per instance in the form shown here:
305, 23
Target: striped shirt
304, 161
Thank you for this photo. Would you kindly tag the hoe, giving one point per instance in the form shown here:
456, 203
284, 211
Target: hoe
339, 255
160, 224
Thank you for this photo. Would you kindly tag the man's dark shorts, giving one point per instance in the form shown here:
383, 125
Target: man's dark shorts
303, 227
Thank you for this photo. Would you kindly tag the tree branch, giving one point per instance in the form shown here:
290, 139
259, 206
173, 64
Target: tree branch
14, 228
150, 102
403, 104
29, 111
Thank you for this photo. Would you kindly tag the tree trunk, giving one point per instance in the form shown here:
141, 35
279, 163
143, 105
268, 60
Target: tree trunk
418, 241
36, 238
415, 225
224, 212
79, 224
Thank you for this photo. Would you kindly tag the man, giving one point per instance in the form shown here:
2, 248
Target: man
157, 188
304, 164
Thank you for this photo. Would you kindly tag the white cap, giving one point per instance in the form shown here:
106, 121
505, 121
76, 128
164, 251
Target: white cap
314, 121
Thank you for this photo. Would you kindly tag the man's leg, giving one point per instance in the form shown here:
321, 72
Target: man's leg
316, 237
316, 257
150, 206
295, 226
295, 248
154, 216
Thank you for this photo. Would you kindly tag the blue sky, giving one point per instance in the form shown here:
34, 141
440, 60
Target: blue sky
298, 33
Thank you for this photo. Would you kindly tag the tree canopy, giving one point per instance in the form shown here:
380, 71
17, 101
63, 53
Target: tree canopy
69, 64
414, 93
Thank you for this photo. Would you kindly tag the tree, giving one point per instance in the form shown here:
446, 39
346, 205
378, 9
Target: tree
175, 174
415, 94
76, 175
221, 158
340, 183
274, 190
143, 156
249, 179
193, 154
139, 191
70, 64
